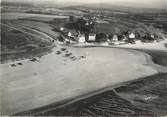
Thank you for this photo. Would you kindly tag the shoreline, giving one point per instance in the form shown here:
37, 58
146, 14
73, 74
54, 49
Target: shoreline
156, 54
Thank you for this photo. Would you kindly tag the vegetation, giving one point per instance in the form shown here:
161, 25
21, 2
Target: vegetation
16, 43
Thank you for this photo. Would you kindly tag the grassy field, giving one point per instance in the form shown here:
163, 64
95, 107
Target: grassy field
17, 41
25, 34
11, 16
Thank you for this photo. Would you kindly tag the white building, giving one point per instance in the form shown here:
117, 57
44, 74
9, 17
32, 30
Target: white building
152, 36
92, 37
124, 38
131, 36
86, 23
69, 34
115, 38
81, 39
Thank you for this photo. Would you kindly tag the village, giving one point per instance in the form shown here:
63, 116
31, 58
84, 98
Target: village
82, 30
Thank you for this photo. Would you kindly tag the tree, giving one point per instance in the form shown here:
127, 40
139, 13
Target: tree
101, 37
110, 36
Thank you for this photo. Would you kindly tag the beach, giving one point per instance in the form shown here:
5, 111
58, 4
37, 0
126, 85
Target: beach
31, 85
143, 96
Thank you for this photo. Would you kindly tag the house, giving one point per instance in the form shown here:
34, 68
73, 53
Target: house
69, 34
86, 37
121, 37
131, 36
124, 38
152, 36
81, 39
86, 24
92, 37
115, 38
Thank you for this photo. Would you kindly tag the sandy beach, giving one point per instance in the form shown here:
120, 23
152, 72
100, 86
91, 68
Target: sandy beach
36, 84
145, 95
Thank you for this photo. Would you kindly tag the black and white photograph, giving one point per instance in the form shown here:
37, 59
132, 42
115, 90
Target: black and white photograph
83, 58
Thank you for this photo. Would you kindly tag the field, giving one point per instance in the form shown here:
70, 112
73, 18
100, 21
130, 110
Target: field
16, 15
17, 41
26, 33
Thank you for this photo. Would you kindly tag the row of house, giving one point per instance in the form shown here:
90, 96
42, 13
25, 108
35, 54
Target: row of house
93, 37
102, 37
86, 33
